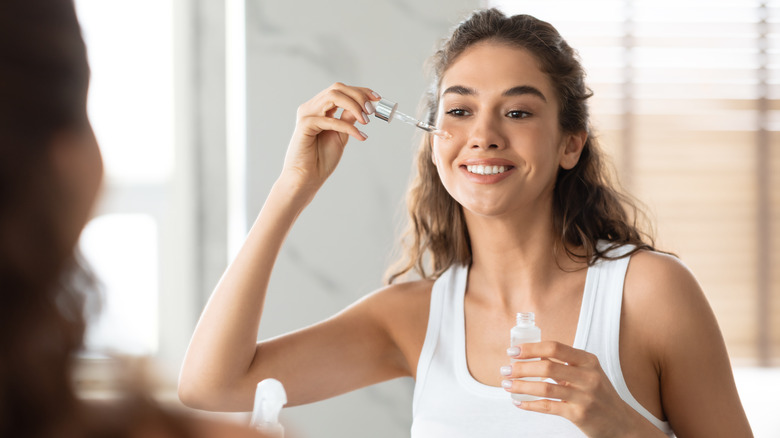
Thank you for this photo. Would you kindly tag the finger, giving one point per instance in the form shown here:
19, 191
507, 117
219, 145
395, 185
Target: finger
347, 117
541, 368
313, 125
335, 99
573, 412
558, 351
328, 102
355, 100
544, 406
538, 389
362, 95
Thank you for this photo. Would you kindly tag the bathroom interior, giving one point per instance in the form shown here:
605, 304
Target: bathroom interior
193, 102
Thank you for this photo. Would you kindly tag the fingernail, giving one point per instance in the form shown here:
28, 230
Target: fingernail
369, 107
365, 118
376, 95
506, 384
517, 402
363, 134
506, 370
513, 351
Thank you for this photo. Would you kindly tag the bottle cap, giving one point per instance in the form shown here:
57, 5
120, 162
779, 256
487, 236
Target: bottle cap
270, 396
385, 109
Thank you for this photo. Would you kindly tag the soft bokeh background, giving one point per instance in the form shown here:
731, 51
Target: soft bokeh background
194, 101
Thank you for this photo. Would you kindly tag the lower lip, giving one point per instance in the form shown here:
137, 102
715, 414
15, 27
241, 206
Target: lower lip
486, 179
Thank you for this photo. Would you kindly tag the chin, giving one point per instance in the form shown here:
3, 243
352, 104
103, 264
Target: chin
482, 210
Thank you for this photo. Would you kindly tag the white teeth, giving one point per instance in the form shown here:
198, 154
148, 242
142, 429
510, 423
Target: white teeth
486, 170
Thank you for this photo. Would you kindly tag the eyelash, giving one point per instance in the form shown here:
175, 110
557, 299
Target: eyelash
523, 114
459, 112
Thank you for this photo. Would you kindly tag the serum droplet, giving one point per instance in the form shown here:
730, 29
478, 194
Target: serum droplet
442, 134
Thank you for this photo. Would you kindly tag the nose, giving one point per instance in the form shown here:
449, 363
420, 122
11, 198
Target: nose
485, 133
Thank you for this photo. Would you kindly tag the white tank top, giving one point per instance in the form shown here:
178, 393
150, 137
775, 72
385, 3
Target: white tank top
449, 402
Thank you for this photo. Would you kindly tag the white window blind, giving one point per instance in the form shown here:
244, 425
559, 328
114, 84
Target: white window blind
687, 103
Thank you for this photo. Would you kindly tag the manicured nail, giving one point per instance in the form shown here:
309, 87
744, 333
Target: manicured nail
517, 402
374, 93
369, 107
513, 351
506, 384
506, 370
363, 134
365, 118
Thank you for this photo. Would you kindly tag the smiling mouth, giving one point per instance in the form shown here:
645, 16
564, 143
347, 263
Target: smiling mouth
487, 170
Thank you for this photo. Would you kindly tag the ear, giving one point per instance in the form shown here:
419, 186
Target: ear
572, 148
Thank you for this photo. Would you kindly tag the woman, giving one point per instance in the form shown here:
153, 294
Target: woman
50, 172
515, 213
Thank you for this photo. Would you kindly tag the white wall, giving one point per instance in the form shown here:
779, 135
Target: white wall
340, 247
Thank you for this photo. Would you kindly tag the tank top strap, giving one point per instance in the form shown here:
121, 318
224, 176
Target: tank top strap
440, 298
598, 329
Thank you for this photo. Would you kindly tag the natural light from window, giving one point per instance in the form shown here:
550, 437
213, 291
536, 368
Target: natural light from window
130, 47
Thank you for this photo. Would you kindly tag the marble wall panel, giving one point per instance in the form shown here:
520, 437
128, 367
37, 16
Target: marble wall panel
341, 245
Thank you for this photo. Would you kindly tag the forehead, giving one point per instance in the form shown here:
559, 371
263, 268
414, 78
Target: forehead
493, 67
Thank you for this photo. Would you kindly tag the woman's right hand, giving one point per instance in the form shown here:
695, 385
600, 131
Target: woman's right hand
320, 137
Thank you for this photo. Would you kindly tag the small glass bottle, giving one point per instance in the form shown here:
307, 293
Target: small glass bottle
523, 333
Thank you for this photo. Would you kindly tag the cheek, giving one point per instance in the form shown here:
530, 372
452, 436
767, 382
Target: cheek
90, 176
444, 156
99, 170
444, 151
451, 126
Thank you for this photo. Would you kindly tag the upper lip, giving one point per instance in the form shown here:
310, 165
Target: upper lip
487, 162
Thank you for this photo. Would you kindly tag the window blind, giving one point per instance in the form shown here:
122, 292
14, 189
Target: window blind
687, 103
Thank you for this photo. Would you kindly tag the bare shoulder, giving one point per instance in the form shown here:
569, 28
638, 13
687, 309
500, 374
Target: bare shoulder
402, 305
667, 317
663, 279
402, 295
402, 309
645, 265
393, 306
663, 297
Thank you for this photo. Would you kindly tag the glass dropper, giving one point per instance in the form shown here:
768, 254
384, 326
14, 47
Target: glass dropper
387, 110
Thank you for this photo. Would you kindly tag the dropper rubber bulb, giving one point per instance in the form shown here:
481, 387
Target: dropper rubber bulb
388, 110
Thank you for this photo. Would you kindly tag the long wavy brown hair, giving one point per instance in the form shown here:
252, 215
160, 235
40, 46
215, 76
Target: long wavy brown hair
587, 206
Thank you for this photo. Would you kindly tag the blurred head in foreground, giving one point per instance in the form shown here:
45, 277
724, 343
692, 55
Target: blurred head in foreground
50, 175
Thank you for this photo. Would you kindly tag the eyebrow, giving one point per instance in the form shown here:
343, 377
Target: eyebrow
514, 91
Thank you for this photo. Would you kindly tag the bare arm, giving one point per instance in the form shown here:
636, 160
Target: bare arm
224, 363
697, 389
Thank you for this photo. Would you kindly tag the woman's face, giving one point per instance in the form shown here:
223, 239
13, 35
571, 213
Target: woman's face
506, 145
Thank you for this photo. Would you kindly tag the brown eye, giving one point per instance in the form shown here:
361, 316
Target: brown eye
457, 112
518, 114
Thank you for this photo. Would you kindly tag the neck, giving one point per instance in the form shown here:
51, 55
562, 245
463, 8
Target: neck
517, 260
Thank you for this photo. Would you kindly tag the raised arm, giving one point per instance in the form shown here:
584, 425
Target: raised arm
224, 362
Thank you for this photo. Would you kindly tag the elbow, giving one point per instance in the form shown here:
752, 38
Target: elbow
196, 392
191, 395
201, 393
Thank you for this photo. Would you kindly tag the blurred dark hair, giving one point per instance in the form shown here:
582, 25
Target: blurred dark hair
44, 78
587, 207
43, 87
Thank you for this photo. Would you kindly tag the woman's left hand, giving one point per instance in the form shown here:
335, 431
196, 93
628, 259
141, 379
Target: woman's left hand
583, 394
